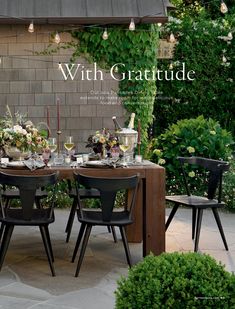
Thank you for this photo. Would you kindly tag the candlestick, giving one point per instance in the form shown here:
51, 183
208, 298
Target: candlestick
139, 136
58, 114
48, 122
58, 141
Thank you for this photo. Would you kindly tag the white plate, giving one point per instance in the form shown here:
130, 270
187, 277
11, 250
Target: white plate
16, 164
95, 163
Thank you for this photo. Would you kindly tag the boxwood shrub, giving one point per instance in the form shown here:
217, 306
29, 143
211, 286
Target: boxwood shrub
178, 281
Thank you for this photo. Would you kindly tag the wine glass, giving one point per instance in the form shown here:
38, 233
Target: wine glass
52, 144
69, 143
46, 155
124, 148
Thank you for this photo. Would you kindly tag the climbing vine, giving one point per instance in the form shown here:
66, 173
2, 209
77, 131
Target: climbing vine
135, 49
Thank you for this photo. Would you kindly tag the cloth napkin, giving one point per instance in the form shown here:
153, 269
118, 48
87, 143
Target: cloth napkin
33, 164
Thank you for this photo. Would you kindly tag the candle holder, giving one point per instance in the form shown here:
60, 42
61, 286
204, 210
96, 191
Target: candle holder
58, 141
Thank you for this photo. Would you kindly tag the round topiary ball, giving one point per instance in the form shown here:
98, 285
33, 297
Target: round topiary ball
177, 280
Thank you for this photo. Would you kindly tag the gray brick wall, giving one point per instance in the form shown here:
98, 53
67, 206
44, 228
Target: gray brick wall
30, 83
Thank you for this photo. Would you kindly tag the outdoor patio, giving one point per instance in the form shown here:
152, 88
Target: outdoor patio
26, 282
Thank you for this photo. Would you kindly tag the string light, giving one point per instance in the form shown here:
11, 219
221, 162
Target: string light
132, 25
59, 66
57, 38
171, 67
159, 25
31, 27
172, 38
223, 7
105, 34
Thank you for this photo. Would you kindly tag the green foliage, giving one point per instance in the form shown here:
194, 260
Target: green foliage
177, 280
198, 137
135, 49
212, 92
229, 187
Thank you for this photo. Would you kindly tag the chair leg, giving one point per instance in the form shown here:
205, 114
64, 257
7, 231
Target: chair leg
83, 249
114, 233
198, 228
49, 242
126, 246
174, 209
109, 228
81, 232
1, 231
194, 217
217, 219
8, 229
47, 248
69, 225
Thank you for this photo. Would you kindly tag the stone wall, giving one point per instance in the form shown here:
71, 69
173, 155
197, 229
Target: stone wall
30, 83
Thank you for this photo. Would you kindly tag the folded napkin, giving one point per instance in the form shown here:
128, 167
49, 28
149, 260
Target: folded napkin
33, 164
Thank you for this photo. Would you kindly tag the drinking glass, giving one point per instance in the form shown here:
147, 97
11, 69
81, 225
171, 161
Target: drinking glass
46, 155
124, 148
69, 143
52, 144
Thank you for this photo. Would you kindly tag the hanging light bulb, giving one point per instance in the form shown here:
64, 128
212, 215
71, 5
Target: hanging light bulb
57, 38
59, 66
105, 34
31, 27
223, 7
171, 67
172, 38
132, 25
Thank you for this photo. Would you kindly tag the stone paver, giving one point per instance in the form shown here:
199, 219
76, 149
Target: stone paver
26, 282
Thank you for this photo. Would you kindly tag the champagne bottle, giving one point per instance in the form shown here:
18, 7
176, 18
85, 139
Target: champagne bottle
116, 124
131, 123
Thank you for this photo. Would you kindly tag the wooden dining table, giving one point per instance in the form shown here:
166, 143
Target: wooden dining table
149, 212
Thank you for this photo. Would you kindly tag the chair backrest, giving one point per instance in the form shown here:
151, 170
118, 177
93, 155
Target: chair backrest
108, 188
27, 186
215, 170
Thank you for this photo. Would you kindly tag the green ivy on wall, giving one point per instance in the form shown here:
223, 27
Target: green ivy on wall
137, 50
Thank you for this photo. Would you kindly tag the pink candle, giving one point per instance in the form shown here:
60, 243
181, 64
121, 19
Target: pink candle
48, 121
58, 114
139, 136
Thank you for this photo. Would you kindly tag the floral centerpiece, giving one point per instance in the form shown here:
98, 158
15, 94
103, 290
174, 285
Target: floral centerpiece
19, 136
102, 142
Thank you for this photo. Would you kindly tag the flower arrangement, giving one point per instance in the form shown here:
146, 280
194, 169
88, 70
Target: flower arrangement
20, 133
102, 141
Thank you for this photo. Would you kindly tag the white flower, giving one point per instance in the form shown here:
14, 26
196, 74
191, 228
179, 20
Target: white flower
191, 149
212, 132
161, 161
191, 174
17, 129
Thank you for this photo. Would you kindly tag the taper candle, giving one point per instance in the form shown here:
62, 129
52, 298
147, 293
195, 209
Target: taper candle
48, 121
58, 114
139, 136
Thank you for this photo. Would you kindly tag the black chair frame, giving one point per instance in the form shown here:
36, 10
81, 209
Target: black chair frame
215, 169
108, 188
27, 215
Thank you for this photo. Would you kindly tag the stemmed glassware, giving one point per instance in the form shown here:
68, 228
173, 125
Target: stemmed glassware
124, 147
69, 143
52, 144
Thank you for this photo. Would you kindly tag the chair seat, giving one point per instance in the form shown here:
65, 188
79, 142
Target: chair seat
95, 218
39, 217
194, 201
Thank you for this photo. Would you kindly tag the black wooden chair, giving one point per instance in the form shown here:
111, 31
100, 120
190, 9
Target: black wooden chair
26, 214
84, 193
106, 216
212, 171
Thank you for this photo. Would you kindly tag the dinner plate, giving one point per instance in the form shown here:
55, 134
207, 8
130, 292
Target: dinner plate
95, 164
16, 164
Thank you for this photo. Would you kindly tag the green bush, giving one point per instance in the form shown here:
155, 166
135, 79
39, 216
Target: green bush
178, 281
229, 187
213, 59
189, 137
